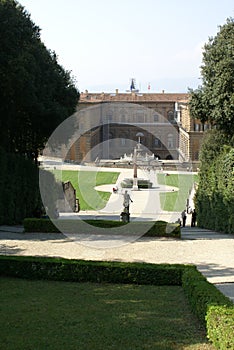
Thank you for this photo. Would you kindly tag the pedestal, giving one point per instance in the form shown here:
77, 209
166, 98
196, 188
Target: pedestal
135, 184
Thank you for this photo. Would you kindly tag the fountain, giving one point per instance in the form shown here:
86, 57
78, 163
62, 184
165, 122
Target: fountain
135, 183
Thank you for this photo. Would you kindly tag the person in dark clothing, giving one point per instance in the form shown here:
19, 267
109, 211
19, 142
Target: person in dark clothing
184, 217
194, 218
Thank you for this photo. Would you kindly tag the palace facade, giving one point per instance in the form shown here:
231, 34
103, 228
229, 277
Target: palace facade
110, 125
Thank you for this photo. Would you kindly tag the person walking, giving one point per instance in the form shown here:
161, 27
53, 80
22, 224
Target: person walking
127, 200
194, 218
184, 217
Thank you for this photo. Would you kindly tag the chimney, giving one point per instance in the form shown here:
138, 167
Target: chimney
163, 91
116, 91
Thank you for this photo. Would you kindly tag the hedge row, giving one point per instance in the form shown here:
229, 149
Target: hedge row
214, 310
208, 303
214, 199
18, 188
157, 228
90, 271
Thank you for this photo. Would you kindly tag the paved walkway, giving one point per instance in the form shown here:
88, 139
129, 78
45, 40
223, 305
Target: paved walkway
211, 252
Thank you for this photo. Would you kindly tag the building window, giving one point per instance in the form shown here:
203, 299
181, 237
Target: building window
196, 127
156, 117
157, 143
140, 116
170, 141
123, 140
170, 116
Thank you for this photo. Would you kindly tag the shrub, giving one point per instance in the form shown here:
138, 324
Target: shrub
220, 326
39, 225
210, 305
164, 229
157, 229
90, 271
201, 294
18, 187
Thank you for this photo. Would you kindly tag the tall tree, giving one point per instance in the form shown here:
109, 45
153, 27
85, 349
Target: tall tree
36, 93
214, 100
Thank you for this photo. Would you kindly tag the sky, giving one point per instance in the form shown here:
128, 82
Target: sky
105, 43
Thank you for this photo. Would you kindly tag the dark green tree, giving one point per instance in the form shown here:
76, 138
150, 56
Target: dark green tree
36, 93
214, 100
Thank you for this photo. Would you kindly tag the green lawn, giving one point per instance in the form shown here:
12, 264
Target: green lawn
38, 315
84, 183
176, 201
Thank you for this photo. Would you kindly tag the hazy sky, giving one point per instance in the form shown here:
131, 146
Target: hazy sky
106, 42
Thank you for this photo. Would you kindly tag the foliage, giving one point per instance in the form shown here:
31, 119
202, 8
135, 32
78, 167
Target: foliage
19, 193
214, 100
212, 308
201, 293
220, 328
164, 229
90, 271
216, 186
209, 304
36, 93
65, 315
157, 229
19, 188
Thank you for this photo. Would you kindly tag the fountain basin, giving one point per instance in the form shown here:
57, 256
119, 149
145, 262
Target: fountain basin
142, 183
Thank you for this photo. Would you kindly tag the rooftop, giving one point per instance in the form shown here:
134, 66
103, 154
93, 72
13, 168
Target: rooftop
86, 97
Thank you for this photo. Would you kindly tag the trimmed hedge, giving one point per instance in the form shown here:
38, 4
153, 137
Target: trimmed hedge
207, 302
19, 188
220, 326
214, 198
213, 309
156, 229
90, 271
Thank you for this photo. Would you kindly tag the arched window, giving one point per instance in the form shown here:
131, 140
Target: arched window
109, 115
170, 141
156, 117
157, 143
169, 157
170, 116
123, 139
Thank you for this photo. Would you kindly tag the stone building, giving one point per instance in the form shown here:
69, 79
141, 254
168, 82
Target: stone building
110, 122
191, 132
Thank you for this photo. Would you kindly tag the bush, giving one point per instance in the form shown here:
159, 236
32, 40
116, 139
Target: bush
39, 225
18, 187
220, 326
213, 309
201, 294
164, 229
216, 186
207, 302
90, 271
157, 229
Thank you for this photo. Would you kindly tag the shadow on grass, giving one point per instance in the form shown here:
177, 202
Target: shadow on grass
64, 315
